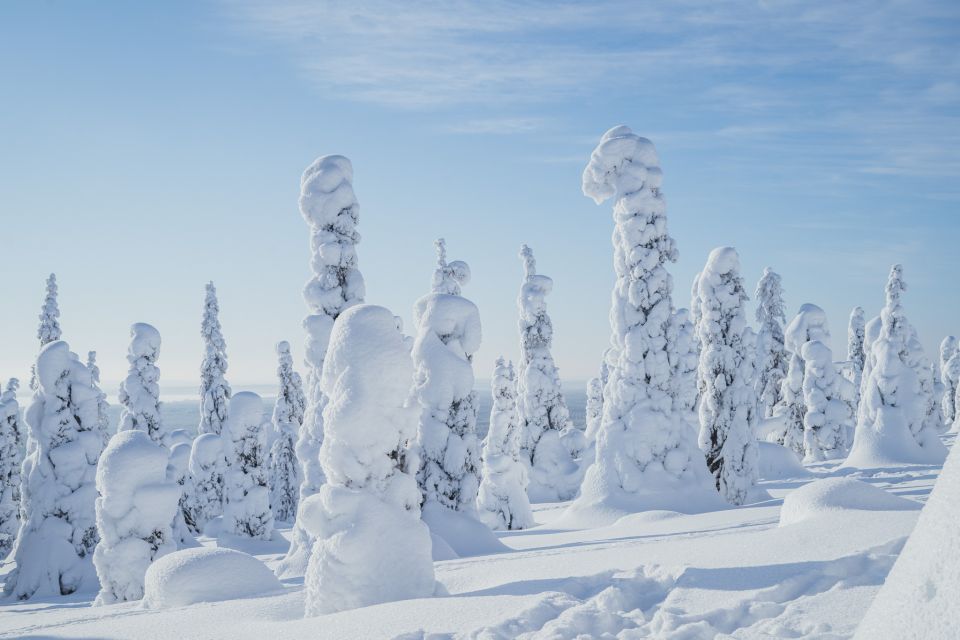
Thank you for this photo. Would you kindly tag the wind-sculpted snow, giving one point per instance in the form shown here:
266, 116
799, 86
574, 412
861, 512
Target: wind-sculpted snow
246, 495
371, 545
140, 391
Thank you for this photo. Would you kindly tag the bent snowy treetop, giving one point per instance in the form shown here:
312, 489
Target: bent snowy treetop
622, 163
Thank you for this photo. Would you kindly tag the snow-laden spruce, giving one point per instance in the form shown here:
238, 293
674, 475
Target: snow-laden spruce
502, 500
891, 419
54, 547
772, 357
594, 408
728, 402
371, 545
11, 457
246, 496
810, 323
287, 419
140, 391
178, 472
207, 467
135, 513
856, 356
646, 456
828, 418
448, 334
950, 377
214, 389
49, 329
684, 361
329, 207
543, 411
103, 407
930, 395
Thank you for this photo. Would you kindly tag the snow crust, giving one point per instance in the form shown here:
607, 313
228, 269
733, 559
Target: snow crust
836, 494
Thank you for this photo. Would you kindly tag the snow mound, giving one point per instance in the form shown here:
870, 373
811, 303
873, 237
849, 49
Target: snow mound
919, 595
464, 534
777, 462
206, 575
839, 494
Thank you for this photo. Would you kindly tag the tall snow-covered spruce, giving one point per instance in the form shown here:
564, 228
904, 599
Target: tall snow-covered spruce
828, 418
287, 419
772, 357
54, 547
140, 391
950, 376
448, 334
544, 416
856, 356
246, 496
214, 389
11, 457
49, 329
891, 419
728, 402
135, 514
502, 501
329, 207
371, 545
646, 456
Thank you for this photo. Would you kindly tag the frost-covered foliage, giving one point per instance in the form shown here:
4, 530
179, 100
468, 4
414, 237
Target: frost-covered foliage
828, 418
214, 389
646, 457
448, 334
772, 358
246, 496
49, 329
684, 360
543, 411
594, 410
135, 514
856, 356
809, 324
371, 545
502, 501
728, 404
11, 457
103, 407
207, 467
58, 533
287, 420
330, 209
891, 421
140, 391
950, 377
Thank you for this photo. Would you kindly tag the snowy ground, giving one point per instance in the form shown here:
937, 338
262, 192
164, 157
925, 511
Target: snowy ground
732, 573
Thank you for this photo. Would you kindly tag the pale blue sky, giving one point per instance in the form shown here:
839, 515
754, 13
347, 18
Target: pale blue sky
146, 148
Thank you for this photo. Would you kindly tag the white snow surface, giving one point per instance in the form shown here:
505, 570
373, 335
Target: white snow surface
836, 494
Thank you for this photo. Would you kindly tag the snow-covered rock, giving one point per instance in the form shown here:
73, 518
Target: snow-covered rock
206, 574
837, 494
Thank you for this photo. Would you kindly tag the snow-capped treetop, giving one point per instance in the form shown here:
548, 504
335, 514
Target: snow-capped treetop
49, 329
769, 295
623, 163
855, 336
448, 277
210, 327
809, 324
214, 389
140, 391
894, 323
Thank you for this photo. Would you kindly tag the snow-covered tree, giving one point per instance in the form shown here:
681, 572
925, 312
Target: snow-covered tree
11, 457
728, 404
502, 501
856, 333
950, 376
49, 329
371, 545
646, 457
891, 421
140, 391
246, 496
542, 408
135, 514
103, 407
772, 358
684, 361
287, 420
594, 410
931, 397
448, 334
178, 472
214, 389
207, 467
330, 208
54, 547
809, 324
828, 417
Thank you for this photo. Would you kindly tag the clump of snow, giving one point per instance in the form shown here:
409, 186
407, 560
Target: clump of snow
246, 496
448, 334
502, 501
12, 438
837, 494
371, 545
140, 391
646, 455
776, 462
206, 574
135, 514
329, 207
918, 598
